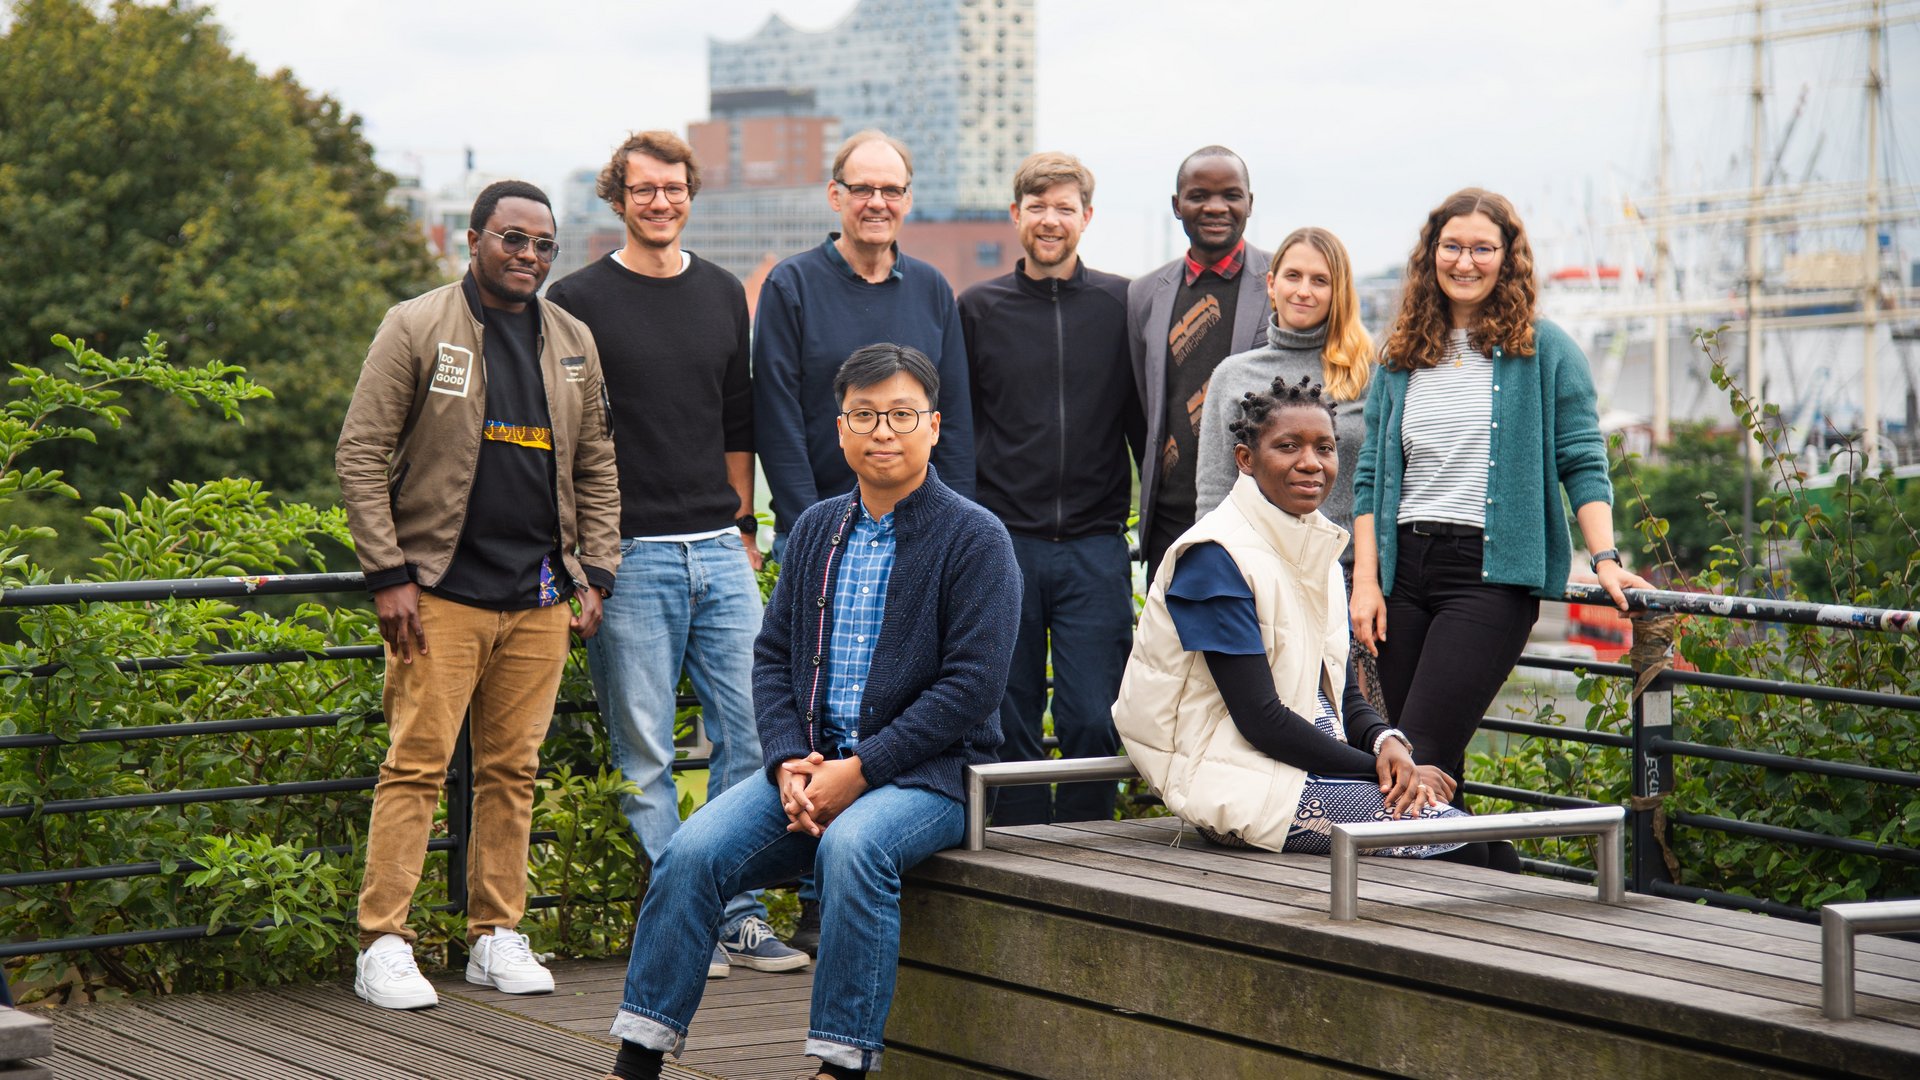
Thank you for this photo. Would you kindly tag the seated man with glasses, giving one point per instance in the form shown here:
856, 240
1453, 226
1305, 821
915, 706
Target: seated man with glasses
866, 734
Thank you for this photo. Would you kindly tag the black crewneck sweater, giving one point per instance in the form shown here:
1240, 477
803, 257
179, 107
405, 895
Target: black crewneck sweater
674, 353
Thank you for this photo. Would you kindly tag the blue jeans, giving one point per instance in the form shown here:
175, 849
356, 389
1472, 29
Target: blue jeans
1078, 594
740, 839
679, 604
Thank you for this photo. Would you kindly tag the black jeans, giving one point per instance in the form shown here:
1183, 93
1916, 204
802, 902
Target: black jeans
1078, 596
1452, 639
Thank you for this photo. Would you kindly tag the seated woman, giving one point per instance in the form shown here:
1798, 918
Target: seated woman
1238, 705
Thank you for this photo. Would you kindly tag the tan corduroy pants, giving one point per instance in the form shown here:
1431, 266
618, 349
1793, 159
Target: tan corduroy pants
507, 664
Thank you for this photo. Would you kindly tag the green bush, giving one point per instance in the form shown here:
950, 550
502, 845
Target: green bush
1867, 553
286, 871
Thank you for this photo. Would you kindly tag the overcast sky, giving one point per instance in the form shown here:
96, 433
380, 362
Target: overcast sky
1357, 117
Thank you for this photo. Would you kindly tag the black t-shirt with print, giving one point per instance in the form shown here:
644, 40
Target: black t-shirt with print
508, 557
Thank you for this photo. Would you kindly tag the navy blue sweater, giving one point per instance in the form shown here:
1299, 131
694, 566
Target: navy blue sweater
932, 701
813, 313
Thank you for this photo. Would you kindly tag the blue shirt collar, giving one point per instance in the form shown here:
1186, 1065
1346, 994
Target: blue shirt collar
840, 261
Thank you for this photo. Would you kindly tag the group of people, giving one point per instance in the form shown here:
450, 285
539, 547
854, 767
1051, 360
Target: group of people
951, 484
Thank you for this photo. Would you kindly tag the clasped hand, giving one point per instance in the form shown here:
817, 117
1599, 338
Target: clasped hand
813, 790
1408, 788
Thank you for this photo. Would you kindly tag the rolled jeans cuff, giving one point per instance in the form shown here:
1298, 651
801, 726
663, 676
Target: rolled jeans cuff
844, 1054
645, 1029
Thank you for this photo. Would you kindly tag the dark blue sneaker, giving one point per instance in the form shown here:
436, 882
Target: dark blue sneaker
717, 967
753, 945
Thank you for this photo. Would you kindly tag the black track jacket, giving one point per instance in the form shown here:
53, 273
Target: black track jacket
1054, 405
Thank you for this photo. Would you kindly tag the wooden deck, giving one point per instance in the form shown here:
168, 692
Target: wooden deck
1138, 949
750, 1027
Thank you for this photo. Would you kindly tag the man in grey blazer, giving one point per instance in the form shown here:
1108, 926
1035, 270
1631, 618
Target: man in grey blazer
1182, 320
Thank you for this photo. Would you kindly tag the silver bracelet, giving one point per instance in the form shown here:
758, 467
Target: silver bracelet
1380, 740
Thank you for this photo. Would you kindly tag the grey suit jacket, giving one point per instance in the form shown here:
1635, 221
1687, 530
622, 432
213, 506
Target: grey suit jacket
1149, 314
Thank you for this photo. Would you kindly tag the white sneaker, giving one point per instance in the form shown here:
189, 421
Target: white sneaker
387, 976
504, 962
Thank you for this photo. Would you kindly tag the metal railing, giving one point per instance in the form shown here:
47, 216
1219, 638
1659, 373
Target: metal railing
1650, 742
1604, 822
458, 784
982, 778
1839, 923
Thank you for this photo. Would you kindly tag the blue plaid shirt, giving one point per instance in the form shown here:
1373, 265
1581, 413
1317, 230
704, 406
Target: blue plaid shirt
859, 605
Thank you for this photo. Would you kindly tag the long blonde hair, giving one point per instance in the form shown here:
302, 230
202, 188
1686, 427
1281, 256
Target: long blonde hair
1347, 359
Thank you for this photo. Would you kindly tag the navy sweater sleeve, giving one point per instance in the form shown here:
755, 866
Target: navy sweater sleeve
779, 423
783, 733
953, 454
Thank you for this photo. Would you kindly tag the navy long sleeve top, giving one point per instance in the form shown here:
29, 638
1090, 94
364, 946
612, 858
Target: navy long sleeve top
813, 313
931, 703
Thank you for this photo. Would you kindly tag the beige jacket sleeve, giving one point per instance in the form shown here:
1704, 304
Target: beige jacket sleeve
382, 400
596, 484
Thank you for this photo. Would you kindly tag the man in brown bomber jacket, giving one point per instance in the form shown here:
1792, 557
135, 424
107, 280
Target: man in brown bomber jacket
477, 467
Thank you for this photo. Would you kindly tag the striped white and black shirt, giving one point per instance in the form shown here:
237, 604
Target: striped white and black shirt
1445, 434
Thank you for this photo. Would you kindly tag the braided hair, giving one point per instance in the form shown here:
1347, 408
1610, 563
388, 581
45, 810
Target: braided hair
1256, 407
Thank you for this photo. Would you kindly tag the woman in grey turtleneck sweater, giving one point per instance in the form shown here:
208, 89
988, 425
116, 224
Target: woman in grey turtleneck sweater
1315, 333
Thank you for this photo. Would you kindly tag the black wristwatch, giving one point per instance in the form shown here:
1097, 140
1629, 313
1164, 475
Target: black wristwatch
1603, 556
747, 523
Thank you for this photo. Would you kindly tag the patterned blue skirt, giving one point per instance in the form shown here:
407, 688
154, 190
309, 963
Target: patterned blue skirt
1328, 802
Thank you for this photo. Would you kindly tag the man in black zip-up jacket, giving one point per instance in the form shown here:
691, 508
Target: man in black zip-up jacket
1055, 411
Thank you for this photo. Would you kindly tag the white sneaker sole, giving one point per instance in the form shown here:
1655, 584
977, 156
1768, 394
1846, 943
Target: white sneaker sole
790, 963
395, 1001
719, 971
478, 976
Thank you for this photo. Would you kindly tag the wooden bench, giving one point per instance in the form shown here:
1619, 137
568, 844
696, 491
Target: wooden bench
24, 1036
1123, 949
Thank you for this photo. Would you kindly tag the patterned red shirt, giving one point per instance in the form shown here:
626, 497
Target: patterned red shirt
1229, 265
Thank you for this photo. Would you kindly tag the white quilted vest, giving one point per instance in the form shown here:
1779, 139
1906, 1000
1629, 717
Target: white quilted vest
1170, 714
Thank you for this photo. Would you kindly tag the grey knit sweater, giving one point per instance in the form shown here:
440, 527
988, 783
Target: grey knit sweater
1289, 354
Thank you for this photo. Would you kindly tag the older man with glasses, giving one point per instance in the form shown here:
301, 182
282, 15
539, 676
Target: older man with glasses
819, 307
477, 469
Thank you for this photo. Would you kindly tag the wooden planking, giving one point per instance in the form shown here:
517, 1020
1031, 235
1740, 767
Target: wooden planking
1220, 869
1172, 830
22, 1035
324, 1033
1203, 898
1567, 924
1261, 999
1620, 942
750, 1025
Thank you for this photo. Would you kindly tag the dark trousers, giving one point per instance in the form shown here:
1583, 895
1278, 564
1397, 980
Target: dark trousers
1078, 595
1167, 527
1452, 639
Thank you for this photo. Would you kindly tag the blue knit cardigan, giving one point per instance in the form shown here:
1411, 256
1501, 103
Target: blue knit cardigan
1545, 434
932, 700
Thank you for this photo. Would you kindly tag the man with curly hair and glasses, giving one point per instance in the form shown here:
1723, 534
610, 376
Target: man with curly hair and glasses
672, 330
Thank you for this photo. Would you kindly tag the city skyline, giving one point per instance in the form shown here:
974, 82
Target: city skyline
1354, 120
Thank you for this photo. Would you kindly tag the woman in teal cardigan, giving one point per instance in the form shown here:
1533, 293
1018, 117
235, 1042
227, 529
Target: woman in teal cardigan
1481, 413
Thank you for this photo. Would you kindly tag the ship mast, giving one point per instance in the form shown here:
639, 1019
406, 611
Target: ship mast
1870, 254
1662, 264
1756, 266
